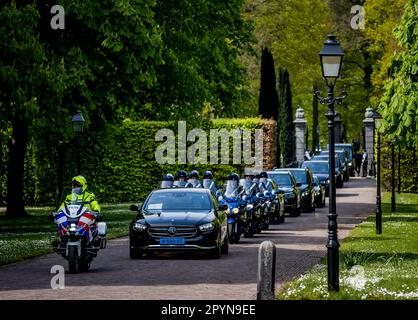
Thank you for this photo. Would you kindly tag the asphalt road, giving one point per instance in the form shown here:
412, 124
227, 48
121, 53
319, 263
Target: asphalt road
300, 244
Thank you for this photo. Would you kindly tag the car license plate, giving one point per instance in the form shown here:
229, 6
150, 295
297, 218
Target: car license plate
177, 241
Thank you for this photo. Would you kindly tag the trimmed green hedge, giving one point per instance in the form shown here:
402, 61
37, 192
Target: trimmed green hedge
119, 162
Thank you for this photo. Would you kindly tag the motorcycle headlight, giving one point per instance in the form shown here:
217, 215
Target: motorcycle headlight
139, 226
73, 227
250, 206
235, 210
206, 227
350, 164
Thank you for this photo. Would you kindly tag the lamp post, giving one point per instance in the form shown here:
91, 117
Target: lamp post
331, 57
393, 203
378, 122
78, 126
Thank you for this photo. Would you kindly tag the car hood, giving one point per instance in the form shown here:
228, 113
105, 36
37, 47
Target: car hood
285, 189
303, 187
180, 218
322, 176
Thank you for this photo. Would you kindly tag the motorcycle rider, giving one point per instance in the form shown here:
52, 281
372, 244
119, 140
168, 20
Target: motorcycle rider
193, 181
248, 184
208, 182
266, 183
233, 188
181, 179
168, 181
88, 221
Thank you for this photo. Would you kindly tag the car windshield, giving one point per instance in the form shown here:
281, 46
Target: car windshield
177, 201
326, 158
316, 180
300, 176
316, 167
281, 179
348, 149
339, 153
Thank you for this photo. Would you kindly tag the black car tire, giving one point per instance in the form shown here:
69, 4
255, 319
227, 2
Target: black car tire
281, 218
135, 253
295, 212
216, 253
84, 266
323, 203
225, 246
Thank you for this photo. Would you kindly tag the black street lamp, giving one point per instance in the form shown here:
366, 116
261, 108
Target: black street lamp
393, 202
78, 126
378, 122
331, 57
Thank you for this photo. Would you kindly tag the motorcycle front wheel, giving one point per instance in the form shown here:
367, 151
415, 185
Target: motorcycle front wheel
73, 263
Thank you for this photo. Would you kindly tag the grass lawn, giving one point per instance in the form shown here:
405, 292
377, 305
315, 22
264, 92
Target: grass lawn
371, 266
27, 237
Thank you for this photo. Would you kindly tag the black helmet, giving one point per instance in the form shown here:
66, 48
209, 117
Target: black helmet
257, 176
208, 175
194, 174
263, 174
168, 177
181, 174
233, 176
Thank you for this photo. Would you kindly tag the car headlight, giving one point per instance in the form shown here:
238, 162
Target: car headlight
139, 226
328, 181
350, 164
250, 206
206, 227
305, 194
235, 210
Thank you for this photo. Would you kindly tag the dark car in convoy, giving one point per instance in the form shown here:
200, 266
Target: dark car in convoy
339, 180
349, 151
287, 185
319, 192
320, 169
343, 160
304, 178
179, 219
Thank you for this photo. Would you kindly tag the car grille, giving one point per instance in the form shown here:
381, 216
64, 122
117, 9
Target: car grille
165, 231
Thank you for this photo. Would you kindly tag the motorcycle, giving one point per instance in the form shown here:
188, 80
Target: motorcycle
74, 222
236, 214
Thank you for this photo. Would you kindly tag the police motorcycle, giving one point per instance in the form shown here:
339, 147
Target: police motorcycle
167, 182
274, 201
80, 234
236, 212
249, 196
264, 203
181, 181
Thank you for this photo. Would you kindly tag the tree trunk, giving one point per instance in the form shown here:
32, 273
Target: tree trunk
60, 174
15, 172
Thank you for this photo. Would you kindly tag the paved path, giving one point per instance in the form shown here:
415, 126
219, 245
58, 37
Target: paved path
300, 244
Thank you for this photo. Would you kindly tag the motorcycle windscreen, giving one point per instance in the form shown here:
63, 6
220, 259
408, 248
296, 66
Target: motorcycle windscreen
166, 184
208, 183
231, 189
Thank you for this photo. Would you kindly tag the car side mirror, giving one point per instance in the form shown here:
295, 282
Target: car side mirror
222, 207
134, 207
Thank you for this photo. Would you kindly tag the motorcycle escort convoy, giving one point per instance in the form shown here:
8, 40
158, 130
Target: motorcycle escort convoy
253, 201
236, 212
80, 234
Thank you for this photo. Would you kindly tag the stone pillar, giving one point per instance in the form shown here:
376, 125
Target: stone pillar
337, 127
369, 137
300, 127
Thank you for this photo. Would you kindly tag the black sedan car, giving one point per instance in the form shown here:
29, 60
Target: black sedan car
287, 185
304, 179
179, 220
319, 193
339, 179
320, 169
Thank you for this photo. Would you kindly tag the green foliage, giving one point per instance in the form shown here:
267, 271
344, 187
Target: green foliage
399, 104
409, 168
202, 41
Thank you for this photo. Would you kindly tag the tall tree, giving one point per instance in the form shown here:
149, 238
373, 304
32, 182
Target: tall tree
315, 128
285, 121
268, 104
399, 104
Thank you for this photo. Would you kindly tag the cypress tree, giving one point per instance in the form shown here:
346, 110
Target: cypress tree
285, 121
268, 100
